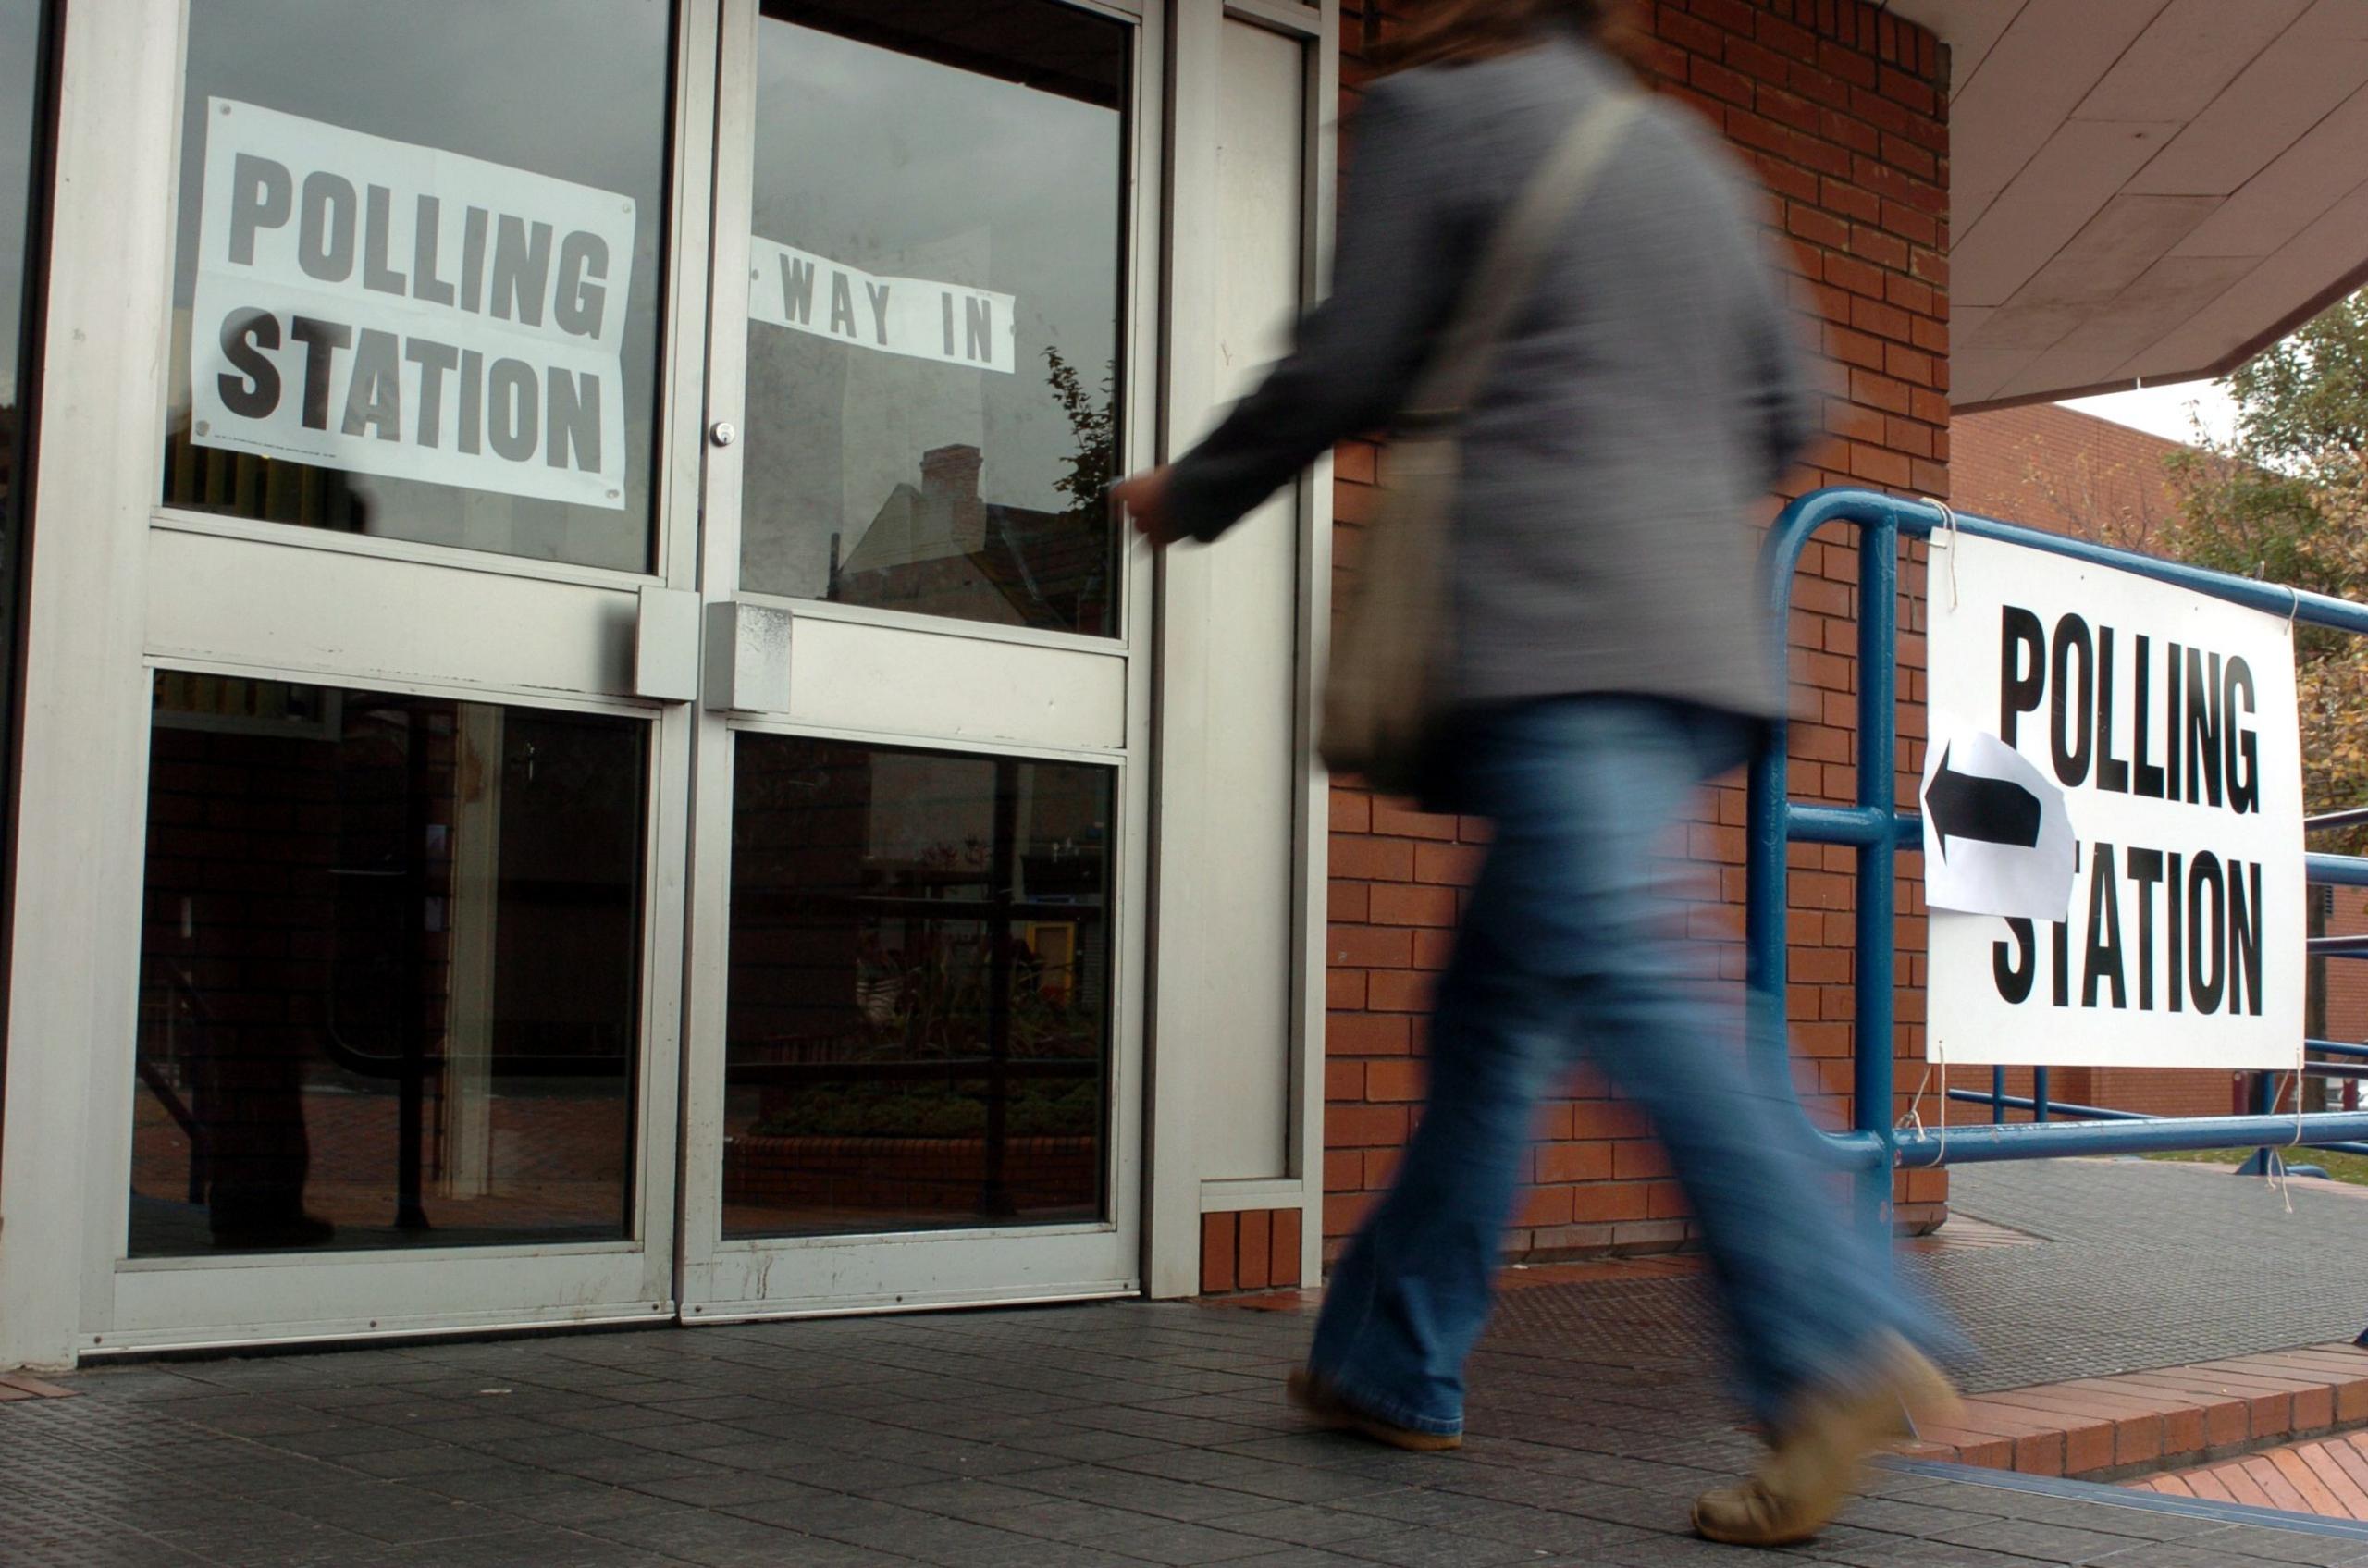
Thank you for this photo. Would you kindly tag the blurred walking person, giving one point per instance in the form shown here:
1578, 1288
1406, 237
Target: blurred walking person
1554, 294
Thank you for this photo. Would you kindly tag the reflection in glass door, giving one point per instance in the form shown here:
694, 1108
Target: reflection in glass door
390, 972
460, 642
913, 942
417, 280
920, 1009
390, 976
408, 977
934, 298
21, 56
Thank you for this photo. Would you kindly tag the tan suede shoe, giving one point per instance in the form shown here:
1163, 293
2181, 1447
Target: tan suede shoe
1819, 1456
1325, 1406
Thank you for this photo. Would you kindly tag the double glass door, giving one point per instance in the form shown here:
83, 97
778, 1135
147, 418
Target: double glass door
647, 710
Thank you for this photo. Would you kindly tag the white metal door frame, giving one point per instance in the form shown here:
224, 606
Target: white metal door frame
999, 670
122, 585
1202, 369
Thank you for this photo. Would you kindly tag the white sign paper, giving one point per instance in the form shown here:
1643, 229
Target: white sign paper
391, 309
2167, 720
895, 315
1997, 840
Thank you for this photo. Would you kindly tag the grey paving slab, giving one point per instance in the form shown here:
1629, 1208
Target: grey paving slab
2135, 1263
1104, 1437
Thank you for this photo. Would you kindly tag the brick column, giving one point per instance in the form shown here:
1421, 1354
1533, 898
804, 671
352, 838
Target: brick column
1841, 108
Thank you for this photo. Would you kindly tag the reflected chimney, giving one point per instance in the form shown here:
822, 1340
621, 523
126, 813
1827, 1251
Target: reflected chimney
950, 501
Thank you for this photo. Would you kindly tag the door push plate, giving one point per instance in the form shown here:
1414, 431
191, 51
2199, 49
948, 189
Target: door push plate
666, 645
747, 659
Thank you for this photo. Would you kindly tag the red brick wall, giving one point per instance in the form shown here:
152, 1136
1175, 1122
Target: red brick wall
2345, 987
1839, 107
1255, 1249
2347, 979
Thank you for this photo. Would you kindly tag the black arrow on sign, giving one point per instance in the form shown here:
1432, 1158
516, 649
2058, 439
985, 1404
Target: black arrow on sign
1987, 810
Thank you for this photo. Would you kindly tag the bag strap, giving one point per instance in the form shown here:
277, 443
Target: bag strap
1500, 284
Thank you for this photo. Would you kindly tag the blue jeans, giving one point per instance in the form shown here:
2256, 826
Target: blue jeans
1567, 944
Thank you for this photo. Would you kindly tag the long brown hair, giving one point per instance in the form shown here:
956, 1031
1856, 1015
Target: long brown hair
1455, 32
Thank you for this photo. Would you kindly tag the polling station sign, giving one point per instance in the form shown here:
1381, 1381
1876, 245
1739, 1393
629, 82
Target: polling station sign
401, 311
913, 316
2166, 719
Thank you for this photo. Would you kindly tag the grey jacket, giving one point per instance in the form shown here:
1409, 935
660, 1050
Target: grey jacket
1650, 392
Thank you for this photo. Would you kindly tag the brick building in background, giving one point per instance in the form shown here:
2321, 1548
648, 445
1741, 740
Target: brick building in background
2051, 467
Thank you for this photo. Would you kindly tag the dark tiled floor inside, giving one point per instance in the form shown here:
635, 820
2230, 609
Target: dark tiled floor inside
1095, 1437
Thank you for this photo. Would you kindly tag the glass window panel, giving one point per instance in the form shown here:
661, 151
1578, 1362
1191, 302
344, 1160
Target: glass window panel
934, 310
418, 284
919, 1023
21, 64
390, 972
19, 78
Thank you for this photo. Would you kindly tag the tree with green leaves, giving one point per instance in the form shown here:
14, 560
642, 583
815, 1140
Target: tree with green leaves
2286, 499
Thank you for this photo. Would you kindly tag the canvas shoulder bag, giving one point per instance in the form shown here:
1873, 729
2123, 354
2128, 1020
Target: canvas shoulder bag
1384, 692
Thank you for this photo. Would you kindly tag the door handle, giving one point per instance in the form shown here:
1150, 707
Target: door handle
666, 645
747, 658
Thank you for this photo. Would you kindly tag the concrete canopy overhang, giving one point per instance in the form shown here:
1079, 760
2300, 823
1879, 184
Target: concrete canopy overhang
2145, 191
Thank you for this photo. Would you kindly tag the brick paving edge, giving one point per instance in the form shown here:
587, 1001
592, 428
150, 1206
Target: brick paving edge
2140, 1423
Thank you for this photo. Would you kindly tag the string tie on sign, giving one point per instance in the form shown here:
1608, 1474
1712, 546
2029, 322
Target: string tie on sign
1914, 1121
1949, 522
2273, 1166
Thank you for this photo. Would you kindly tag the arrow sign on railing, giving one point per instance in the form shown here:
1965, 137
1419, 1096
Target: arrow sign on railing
1992, 811
1997, 839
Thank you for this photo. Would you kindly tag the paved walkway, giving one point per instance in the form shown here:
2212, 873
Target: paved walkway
1118, 1435
2151, 1264
2132, 1263
2328, 1477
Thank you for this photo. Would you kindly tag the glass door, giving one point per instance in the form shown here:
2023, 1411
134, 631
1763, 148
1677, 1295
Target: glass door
638, 794
917, 867
421, 640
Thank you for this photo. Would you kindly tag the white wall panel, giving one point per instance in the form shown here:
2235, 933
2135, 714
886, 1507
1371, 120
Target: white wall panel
1247, 621
1236, 1023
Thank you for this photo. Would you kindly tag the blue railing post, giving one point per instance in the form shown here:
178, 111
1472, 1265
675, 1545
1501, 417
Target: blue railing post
1871, 1085
1997, 1094
2039, 1094
2265, 1102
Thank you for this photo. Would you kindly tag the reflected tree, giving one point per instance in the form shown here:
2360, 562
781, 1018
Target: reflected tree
1093, 467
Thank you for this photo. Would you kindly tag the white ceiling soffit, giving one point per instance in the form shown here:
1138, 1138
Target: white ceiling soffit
2146, 190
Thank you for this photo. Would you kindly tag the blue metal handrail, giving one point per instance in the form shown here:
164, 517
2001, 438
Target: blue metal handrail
1999, 1100
1875, 829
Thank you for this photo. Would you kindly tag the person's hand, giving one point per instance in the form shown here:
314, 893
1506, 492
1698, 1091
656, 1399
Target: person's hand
1145, 497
